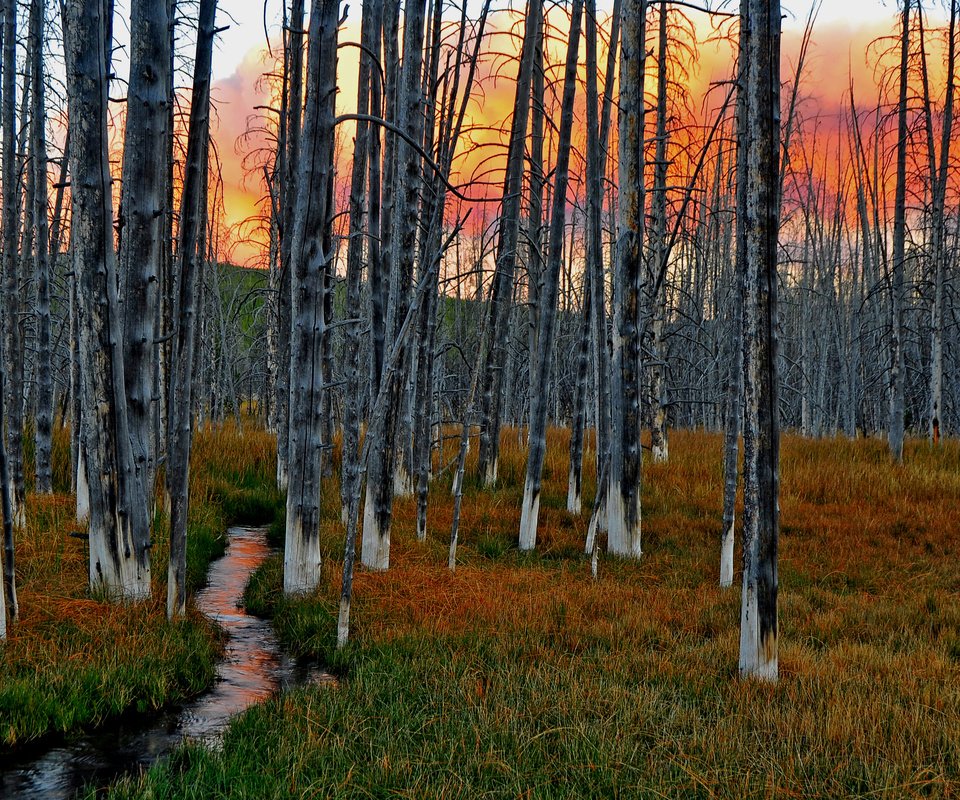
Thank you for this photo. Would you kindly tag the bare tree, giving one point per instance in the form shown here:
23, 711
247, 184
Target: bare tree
761, 521
310, 253
119, 556
530, 510
193, 208
626, 459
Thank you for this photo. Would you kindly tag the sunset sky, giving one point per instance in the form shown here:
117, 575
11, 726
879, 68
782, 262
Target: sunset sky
842, 34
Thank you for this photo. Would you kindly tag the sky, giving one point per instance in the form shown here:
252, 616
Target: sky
842, 31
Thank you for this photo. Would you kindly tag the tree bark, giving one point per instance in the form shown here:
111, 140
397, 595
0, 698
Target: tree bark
119, 555
38, 139
189, 257
761, 523
143, 210
530, 509
497, 335
310, 254
626, 457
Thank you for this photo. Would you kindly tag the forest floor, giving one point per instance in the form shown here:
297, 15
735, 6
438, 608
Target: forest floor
73, 661
521, 676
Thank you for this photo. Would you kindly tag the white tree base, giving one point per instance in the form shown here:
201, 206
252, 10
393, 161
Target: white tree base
726, 557
301, 558
375, 543
621, 541
757, 659
529, 515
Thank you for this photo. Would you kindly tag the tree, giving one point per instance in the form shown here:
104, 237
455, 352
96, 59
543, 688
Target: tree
142, 214
119, 555
625, 472
310, 253
761, 523
530, 510
193, 208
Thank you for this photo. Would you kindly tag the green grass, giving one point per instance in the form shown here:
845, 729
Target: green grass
519, 676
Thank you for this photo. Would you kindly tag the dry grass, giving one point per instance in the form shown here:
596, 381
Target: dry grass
520, 676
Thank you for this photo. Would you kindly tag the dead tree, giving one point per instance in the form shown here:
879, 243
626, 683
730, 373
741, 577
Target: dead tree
193, 209
12, 335
119, 555
38, 148
310, 254
625, 472
530, 509
896, 424
497, 335
761, 522
142, 213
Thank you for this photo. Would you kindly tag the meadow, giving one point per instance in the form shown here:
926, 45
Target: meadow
521, 676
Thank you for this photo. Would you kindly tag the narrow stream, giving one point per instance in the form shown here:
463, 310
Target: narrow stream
252, 669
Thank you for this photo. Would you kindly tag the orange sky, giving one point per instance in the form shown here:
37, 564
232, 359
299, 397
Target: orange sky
838, 50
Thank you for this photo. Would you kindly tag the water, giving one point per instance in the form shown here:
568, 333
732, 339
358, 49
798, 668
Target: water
253, 668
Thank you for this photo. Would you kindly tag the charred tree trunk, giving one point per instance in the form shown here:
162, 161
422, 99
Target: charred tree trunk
530, 509
119, 555
142, 213
289, 200
498, 332
626, 457
180, 406
38, 146
12, 344
896, 424
761, 522
378, 505
310, 253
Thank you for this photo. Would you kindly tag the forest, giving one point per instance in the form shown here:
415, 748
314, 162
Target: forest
574, 415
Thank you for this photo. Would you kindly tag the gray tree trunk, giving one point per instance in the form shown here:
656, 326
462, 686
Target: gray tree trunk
378, 505
12, 345
190, 254
119, 555
38, 146
497, 335
761, 523
310, 255
895, 427
626, 457
142, 213
530, 510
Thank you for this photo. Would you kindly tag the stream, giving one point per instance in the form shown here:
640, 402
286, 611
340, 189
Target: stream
252, 669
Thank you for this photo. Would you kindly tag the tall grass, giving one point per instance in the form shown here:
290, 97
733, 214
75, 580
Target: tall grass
73, 661
519, 676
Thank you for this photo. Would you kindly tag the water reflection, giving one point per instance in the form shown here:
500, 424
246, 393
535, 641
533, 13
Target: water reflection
253, 668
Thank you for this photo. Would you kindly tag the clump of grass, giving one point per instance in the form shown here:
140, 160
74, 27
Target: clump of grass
522, 676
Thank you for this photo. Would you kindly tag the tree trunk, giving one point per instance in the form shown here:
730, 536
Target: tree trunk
190, 255
143, 210
658, 244
119, 555
310, 254
289, 200
530, 509
378, 505
895, 428
626, 457
761, 524
12, 346
38, 147
497, 335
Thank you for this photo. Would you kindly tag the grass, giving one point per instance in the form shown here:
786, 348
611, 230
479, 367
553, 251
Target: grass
519, 676
74, 661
